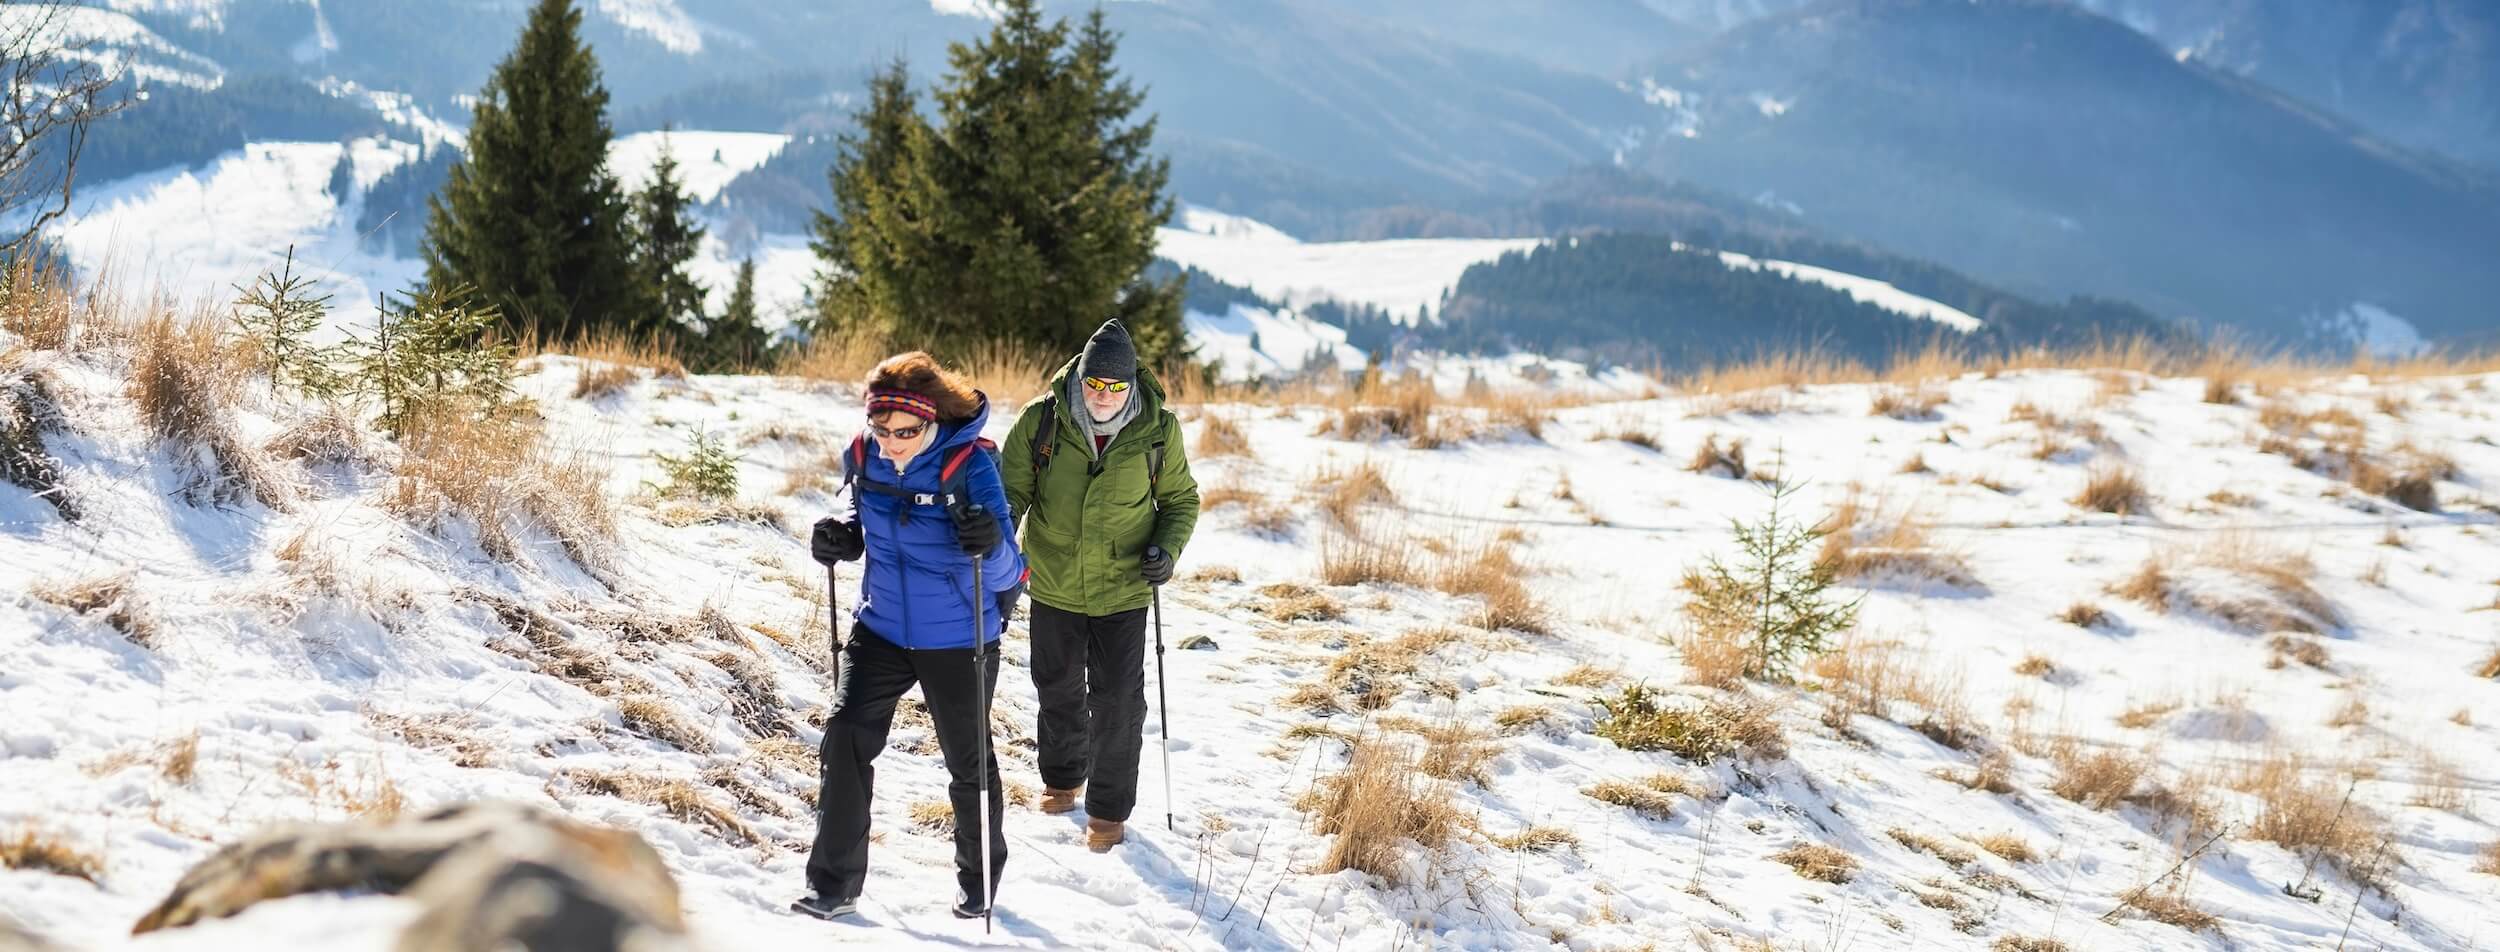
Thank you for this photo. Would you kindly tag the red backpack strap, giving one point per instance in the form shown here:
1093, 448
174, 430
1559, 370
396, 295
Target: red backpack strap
946, 475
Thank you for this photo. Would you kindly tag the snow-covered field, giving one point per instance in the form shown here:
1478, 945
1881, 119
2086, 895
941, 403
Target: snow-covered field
297, 643
1399, 276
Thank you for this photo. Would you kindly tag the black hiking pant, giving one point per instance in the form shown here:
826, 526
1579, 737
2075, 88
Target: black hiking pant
875, 673
1090, 671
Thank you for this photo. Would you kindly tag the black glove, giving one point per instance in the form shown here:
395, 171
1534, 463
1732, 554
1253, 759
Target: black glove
1007, 602
835, 541
975, 530
1155, 566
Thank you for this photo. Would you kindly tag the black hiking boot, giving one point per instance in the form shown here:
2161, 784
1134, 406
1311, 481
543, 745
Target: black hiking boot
825, 907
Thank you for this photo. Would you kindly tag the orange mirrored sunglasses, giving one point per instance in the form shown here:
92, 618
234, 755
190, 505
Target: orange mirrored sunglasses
1098, 385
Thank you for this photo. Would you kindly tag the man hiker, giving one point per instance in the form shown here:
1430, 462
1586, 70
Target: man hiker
926, 504
1094, 469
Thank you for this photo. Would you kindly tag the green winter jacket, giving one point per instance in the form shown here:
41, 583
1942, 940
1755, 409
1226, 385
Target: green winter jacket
1084, 530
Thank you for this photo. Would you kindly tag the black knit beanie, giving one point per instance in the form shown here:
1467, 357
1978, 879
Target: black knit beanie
1109, 355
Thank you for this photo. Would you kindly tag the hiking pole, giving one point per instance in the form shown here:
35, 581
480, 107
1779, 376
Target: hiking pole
981, 759
833, 628
1163, 700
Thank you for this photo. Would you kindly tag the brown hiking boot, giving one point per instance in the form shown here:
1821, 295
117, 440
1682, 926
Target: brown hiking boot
1102, 835
1056, 801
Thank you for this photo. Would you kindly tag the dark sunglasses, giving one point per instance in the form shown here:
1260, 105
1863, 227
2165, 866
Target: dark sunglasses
1098, 385
899, 433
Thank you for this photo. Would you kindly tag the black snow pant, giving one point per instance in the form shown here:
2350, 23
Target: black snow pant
875, 673
1090, 671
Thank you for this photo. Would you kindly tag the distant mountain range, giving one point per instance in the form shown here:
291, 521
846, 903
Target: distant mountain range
2269, 166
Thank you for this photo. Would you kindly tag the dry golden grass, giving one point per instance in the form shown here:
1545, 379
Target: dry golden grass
329, 435
2272, 590
2008, 847
1652, 796
2490, 666
2026, 943
1008, 373
1372, 672
653, 716
110, 595
2488, 863
1456, 751
2172, 909
1288, 601
1376, 805
1490, 574
2312, 817
1528, 718
934, 817
649, 352
1711, 458
1587, 675
1869, 541
1916, 464
39, 307
1538, 839
2099, 779
182, 759
1715, 655
1218, 436
1819, 862
185, 379
2035, 666
2115, 488
1374, 557
1993, 773
1907, 403
2291, 648
43, 851
678, 798
1342, 491
2436, 784
599, 381
2084, 615
1864, 676
1216, 573
504, 478
1947, 852
458, 735
2146, 714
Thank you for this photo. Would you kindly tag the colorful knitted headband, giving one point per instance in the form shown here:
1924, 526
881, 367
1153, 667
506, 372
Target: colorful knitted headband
901, 401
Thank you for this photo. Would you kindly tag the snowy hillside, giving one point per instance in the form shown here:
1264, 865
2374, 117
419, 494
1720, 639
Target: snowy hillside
280, 619
201, 233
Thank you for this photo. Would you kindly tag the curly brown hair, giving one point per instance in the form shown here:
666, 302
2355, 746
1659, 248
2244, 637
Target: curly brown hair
919, 373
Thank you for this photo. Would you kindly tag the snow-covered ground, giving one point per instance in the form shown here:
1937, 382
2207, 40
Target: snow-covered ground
1399, 276
292, 642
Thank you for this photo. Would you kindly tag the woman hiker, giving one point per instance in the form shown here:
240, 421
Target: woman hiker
1104, 524
926, 500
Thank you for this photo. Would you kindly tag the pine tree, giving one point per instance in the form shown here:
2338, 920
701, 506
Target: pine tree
1777, 599
431, 351
1027, 214
276, 317
666, 238
533, 219
868, 245
734, 341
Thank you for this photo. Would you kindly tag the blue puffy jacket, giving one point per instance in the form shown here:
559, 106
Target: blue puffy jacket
917, 592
